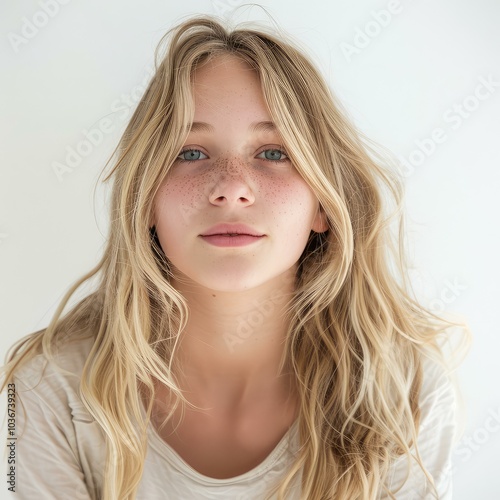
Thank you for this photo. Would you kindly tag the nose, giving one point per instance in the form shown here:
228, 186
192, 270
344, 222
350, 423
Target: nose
232, 187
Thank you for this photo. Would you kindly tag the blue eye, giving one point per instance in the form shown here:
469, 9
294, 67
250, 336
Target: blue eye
276, 152
194, 152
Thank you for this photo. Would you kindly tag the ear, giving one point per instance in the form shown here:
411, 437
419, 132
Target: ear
320, 223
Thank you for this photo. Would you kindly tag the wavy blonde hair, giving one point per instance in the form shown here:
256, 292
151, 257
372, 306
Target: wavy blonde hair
357, 337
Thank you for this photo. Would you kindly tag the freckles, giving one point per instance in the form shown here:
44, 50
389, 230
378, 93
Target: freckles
185, 196
293, 206
285, 193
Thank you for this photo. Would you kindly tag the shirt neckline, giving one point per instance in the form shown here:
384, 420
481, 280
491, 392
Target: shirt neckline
169, 454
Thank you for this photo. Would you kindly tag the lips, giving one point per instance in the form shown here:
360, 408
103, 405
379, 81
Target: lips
232, 230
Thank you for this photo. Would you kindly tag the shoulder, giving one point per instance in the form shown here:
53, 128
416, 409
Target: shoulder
70, 354
55, 381
438, 433
55, 432
439, 396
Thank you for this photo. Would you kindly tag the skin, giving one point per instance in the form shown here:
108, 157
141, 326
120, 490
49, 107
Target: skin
230, 366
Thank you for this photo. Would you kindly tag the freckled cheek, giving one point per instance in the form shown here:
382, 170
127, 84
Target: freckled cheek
294, 200
178, 201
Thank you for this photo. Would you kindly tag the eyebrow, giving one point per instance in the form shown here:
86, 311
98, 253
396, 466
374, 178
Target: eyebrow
254, 127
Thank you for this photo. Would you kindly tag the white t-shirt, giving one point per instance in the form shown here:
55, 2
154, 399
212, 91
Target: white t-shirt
60, 450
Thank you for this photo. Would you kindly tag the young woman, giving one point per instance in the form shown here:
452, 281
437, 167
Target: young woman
252, 334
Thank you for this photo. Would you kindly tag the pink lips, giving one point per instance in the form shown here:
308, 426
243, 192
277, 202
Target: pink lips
232, 229
231, 235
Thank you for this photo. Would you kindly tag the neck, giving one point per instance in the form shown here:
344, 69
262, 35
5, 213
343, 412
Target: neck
233, 342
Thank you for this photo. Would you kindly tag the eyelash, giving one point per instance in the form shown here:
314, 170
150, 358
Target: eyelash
265, 159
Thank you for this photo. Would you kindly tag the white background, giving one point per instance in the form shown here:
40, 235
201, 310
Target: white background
82, 63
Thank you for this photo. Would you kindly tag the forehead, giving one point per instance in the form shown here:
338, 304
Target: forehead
226, 76
224, 63
227, 90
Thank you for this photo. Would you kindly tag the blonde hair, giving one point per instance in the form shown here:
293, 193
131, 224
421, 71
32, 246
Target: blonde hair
357, 337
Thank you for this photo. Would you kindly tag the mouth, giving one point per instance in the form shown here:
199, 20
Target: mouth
232, 234
232, 230
231, 239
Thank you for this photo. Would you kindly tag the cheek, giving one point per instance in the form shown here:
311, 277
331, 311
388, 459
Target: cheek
171, 218
294, 203
176, 202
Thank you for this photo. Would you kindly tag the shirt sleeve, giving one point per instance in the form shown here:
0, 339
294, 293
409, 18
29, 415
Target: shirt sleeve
436, 441
47, 464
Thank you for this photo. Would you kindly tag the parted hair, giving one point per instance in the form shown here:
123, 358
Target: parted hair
357, 336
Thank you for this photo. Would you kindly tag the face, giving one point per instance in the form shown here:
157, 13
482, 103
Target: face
230, 175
